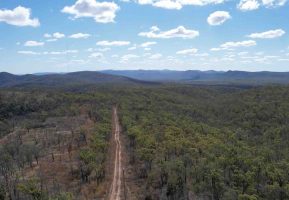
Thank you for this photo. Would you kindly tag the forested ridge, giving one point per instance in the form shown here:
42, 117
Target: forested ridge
183, 142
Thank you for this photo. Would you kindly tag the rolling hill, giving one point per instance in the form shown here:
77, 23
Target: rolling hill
143, 77
68, 79
206, 77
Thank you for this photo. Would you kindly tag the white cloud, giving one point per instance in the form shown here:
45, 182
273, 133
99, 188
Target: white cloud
218, 18
233, 45
28, 52
168, 4
201, 2
246, 5
156, 56
273, 3
179, 32
215, 49
19, 16
147, 44
178, 4
54, 36
80, 36
47, 35
60, 52
33, 43
128, 57
245, 43
187, 51
98, 49
51, 40
102, 12
112, 43
58, 35
268, 34
48, 52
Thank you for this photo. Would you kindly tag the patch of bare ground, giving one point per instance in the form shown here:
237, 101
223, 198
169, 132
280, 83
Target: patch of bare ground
58, 167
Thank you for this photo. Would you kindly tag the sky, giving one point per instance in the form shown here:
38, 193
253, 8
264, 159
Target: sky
77, 35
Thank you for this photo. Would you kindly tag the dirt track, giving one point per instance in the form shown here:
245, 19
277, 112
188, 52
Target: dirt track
117, 184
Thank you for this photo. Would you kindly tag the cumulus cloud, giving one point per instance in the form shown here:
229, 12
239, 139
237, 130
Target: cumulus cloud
233, 45
178, 4
80, 36
19, 16
32, 43
58, 35
47, 35
28, 52
215, 49
168, 4
247, 5
246, 43
60, 52
102, 12
112, 43
51, 40
179, 32
268, 34
187, 51
48, 52
128, 57
147, 44
273, 3
54, 36
218, 18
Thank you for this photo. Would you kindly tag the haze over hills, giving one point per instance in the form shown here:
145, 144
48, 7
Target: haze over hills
144, 77
196, 76
61, 79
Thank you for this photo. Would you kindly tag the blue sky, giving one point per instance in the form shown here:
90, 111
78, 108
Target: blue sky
75, 35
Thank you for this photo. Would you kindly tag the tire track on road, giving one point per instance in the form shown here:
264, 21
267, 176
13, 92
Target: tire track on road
115, 190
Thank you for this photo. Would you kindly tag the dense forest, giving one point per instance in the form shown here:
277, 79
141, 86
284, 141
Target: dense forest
183, 142
209, 143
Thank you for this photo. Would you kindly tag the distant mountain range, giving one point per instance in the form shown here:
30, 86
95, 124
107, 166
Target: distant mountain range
61, 79
205, 77
144, 77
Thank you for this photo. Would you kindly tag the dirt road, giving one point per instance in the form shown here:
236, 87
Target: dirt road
117, 183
